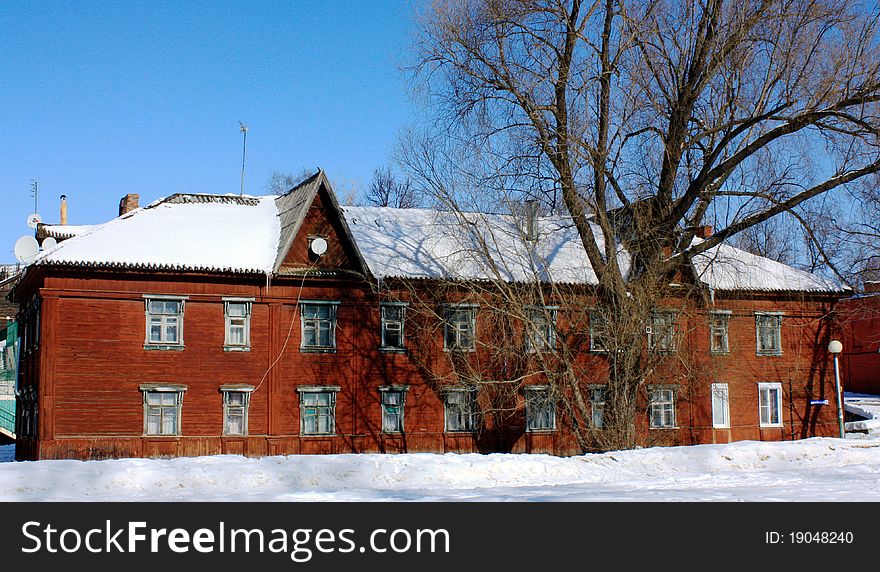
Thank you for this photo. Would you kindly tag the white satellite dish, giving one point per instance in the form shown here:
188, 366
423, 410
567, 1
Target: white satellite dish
33, 220
318, 245
26, 249
49, 243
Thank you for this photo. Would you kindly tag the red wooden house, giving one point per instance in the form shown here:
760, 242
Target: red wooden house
206, 324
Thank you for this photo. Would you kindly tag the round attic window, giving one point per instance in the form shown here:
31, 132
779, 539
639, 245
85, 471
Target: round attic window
318, 245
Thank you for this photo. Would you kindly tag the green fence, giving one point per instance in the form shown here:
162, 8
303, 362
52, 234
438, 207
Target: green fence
9, 335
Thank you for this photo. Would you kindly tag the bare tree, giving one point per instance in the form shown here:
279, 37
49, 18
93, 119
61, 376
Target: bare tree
386, 191
280, 182
642, 122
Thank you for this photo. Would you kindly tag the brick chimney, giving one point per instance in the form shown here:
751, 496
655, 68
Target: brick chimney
128, 203
704, 231
63, 209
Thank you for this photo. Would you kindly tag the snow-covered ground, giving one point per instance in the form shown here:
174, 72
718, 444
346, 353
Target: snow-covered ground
820, 469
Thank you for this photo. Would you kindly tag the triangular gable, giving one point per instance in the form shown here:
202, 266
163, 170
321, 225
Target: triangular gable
312, 210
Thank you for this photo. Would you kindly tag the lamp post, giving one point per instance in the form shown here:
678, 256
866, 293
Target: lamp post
834, 348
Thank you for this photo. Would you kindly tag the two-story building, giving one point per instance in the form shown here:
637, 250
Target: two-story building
205, 324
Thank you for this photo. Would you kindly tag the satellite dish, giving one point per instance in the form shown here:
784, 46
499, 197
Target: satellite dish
26, 249
33, 220
318, 245
49, 243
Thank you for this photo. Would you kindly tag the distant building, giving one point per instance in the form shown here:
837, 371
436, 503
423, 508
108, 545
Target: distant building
9, 275
204, 324
859, 318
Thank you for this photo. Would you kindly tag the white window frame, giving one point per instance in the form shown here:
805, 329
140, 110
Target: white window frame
333, 306
471, 415
540, 393
540, 334
246, 391
399, 323
228, 344
719, 321
776, 318
458, 331
597, 405
720, 395
163, 343
763, 405
598, 328
401, 390
311, 390
164, 389
666, 344
668, 404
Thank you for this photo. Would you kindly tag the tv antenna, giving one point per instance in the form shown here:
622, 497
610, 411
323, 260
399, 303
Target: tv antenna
244, 129
34, 192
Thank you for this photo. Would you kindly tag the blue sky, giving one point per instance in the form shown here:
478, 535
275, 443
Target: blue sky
102, 99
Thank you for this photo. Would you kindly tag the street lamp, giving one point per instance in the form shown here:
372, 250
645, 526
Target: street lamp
834, 348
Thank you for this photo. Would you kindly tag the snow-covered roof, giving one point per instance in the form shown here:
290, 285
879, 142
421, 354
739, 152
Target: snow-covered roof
724, 267
228, 233
419, 243
214, 233
64, 230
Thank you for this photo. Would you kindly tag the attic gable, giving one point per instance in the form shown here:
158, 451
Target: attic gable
311, 211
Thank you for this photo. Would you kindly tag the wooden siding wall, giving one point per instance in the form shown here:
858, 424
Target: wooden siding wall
92, 361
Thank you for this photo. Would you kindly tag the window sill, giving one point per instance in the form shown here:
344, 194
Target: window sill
719, 353
769, 354
317, 435
317, 350
720, 426
152, 436
165, 347
540, 431
665, 428
771, 426
236, 348
459, 431
460, 350
392, 350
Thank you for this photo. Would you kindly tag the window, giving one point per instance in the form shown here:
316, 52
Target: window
459, 327
597, 405
720, 406
598, 332
540, 409
237, 315
662, 407
29, 325
541, 328
393, 317
718, 332
317, 409
768, 330
164, 322
460, 409
26, 412
318, 325
162, 405
770, 404
661, 334
393, 400
236, 400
